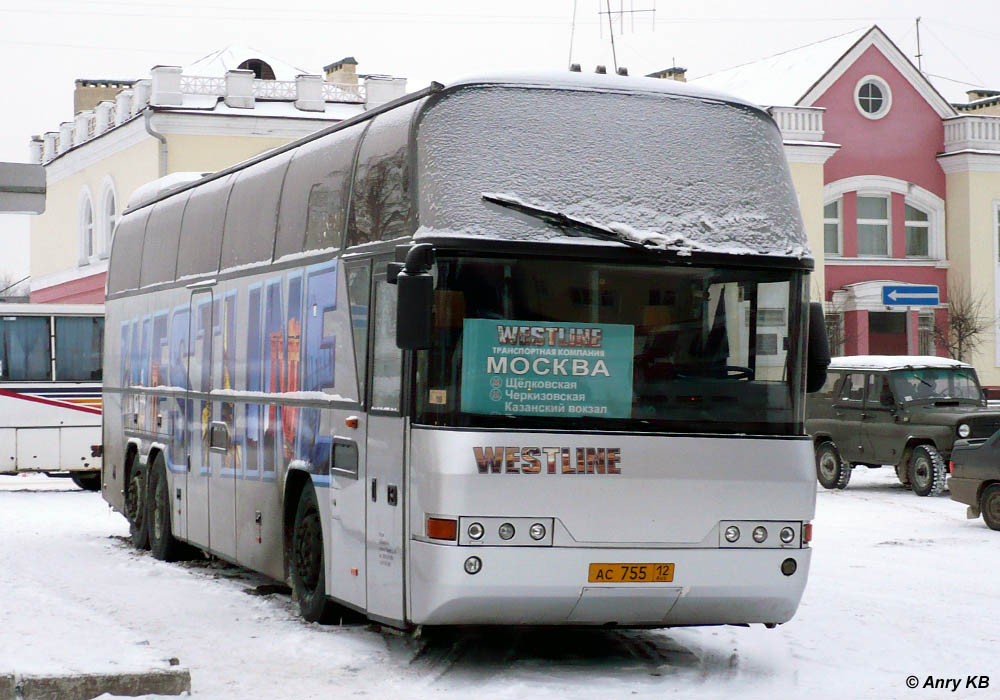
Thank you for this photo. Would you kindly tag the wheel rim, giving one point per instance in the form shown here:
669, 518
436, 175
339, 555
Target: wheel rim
133, 510
828, 466
308, 554
922, 472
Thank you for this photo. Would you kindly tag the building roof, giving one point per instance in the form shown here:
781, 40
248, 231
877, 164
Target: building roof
230, 57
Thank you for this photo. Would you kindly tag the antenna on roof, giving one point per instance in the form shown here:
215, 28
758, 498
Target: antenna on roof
919, 55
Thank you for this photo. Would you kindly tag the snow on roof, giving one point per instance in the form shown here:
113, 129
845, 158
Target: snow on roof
894, 362
230, 57
783, 79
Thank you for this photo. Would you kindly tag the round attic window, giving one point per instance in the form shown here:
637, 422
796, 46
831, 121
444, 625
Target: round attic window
872, 97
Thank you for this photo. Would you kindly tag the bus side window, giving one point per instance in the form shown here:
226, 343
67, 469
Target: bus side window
25, 350
357, 296
387, 358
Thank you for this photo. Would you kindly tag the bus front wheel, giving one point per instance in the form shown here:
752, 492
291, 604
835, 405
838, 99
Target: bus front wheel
306, 565
161, 540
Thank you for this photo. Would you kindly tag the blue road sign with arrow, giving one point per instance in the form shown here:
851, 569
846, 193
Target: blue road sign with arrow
910, 295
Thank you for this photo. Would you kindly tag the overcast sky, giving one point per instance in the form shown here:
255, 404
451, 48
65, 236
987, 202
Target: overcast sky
46, 44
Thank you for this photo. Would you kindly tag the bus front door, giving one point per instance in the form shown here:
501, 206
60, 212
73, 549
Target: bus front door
385, 459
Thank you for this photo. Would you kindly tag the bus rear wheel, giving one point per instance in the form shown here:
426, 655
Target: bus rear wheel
135, 506
306, 564
88, 481
161, 540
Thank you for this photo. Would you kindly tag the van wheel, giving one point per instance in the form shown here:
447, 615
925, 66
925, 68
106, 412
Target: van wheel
135, 506
927, 474
989, 504
161, 540
306, 565
831, 471
88, 481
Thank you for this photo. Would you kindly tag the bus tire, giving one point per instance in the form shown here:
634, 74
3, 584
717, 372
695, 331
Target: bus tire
306, 564
989, 506
927, 472
88, 481
162, 544
831, 471
135, 505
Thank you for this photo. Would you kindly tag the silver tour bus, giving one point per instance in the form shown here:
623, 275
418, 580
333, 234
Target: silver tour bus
519, 350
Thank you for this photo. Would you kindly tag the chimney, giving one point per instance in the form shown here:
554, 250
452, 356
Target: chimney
380, 89
980, 94
88, 93
239, 89
674, 73
342, 72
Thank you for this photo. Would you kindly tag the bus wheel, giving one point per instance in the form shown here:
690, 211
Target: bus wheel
831, 471
989, 505
927, 474
161, 540
88, 481
306, 564
135, 506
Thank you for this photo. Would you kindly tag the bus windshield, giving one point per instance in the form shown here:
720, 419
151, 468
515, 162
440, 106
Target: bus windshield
544, 343
937, 384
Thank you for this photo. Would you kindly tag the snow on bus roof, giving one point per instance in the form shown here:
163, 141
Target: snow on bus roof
894, 362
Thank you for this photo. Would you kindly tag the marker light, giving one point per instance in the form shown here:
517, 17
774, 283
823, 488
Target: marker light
506, 531
732, 533
807, 533
442, 529
787, 534
964, 430
759, 534
473, 565
537, 531
476, 531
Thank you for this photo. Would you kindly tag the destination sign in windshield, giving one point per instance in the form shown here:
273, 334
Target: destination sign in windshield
547, 369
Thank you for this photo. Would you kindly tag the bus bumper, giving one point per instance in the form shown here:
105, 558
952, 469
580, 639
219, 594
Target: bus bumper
548, 586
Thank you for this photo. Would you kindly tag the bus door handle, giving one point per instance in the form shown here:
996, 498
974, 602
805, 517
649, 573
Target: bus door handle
374, 490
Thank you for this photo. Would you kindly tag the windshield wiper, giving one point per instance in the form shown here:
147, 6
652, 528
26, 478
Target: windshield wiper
570, 225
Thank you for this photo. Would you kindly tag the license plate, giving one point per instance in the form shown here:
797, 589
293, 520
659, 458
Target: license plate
630, 573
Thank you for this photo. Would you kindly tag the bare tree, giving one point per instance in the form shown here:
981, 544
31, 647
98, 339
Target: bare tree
12, 287
967, 323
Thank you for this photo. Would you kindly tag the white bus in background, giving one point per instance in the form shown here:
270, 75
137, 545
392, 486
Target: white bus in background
519, 350
50, 390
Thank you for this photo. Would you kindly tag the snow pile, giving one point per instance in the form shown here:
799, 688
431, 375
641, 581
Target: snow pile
673, 172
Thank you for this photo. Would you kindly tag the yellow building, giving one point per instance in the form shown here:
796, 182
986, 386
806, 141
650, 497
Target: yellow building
180, 122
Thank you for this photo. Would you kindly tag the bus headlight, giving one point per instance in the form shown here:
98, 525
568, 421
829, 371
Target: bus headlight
786, 535
537, 531
964, 430
476, 531
759, 534
732, 533
506, 531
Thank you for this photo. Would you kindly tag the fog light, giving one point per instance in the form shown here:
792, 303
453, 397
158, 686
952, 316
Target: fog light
788, 567
964, 430
732, 533
476, 531
474, 564
506, 531
537, 531
787, 534
759, 534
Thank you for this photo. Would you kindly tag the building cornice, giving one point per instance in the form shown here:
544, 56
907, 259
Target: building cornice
970, 161
207, 124
95, 150
810, 151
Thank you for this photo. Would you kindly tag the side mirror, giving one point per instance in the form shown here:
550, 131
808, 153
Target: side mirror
817, 350
415, 287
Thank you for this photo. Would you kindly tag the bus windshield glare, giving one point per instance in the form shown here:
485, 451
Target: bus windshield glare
547, 343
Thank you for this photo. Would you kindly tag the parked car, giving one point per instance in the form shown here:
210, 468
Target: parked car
905, 411
975, 478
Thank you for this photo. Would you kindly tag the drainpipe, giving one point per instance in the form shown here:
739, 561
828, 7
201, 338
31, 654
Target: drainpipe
159, 137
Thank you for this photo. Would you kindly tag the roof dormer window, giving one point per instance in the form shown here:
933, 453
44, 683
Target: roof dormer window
261, 70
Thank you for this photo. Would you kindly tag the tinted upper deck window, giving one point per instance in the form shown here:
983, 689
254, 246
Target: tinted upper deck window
126, 252
159, 255
252, 212
201, 231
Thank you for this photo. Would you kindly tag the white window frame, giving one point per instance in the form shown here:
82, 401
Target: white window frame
106, 227
839, 222
883, 86
887, 222
86, 252
915, 195
907, 223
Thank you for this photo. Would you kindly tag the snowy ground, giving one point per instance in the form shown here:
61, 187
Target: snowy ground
900, 586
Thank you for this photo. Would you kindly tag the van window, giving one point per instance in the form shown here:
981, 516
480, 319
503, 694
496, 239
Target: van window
252, 212
854, 387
